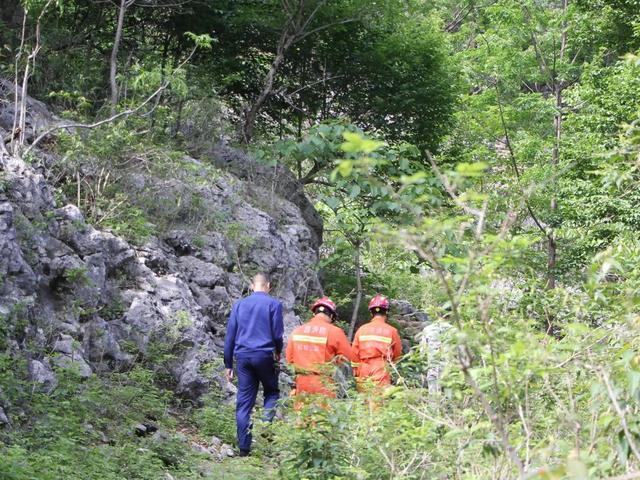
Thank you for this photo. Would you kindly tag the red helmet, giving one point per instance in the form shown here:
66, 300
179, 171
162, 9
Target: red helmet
379, 303
326, 303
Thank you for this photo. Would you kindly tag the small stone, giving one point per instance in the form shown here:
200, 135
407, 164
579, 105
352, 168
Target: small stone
227, 450
161, 436
64, 344
144, 429
199, 448
140, 430
215, 442
71, 213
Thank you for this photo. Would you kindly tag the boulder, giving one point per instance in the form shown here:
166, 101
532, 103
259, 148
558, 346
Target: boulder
14, 269
40, 372
74, 362
64, 345
38, 117
275, 178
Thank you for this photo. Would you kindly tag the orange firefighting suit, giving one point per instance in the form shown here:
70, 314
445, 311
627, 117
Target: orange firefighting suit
313, 349
375, 345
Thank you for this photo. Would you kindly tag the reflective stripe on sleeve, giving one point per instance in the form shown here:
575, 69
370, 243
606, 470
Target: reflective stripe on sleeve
375, 338
309, 339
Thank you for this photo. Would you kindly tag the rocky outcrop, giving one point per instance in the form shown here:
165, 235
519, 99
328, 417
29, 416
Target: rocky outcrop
411, 320
83, 298
277, 180
37, 116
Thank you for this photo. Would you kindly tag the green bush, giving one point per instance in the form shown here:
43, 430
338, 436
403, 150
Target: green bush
85, 429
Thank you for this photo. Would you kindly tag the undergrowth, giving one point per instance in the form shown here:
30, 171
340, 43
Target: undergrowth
86, 428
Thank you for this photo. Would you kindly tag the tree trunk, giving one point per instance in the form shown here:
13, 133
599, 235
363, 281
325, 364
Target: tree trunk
163, 76
356, 305
558, 87
552, 251
295, 29
251, 113
114, 53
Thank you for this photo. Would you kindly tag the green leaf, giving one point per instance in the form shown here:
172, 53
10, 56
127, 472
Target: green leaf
332, 203
356, 143
345, 168
417, 177
475, 169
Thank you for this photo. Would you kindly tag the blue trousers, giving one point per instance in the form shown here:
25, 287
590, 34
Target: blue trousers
253, 371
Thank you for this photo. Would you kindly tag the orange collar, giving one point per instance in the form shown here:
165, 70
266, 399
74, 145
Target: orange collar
320, 318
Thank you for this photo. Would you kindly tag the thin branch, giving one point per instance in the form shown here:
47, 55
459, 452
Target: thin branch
31, 62
514, 162
623, 421
439, 421
495, 419
309, 85
450, 189
112, 118
312, 15
583, 350
324, 27
527, 433
482, 219
544, 68
96, 124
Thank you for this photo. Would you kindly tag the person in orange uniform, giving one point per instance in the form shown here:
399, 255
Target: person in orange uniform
315, 347
375, 346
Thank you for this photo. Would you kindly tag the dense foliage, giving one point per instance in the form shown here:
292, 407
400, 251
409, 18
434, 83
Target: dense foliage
478, 158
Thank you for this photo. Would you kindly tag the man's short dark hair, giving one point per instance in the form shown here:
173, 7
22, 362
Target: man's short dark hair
261, 278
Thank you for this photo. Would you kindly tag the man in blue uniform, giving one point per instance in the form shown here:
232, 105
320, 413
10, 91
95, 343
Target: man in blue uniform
254, 338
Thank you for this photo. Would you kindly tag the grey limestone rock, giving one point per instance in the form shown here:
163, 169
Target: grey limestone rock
432, 342
70, 356
14, 269
277, 179
101, 300
40, 372
4, 419
38, 117
64, 345
74, 361
411, 320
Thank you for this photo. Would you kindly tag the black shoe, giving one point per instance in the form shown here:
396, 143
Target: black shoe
244, 453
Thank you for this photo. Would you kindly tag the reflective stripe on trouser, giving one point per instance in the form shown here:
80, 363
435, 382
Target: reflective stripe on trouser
253, 371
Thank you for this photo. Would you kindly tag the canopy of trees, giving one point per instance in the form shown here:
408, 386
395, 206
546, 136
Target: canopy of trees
479, 158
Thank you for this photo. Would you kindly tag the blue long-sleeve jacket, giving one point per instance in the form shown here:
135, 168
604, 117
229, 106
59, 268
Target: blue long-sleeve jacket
255, 327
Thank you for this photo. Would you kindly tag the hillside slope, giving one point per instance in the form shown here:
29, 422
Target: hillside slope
74, 294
